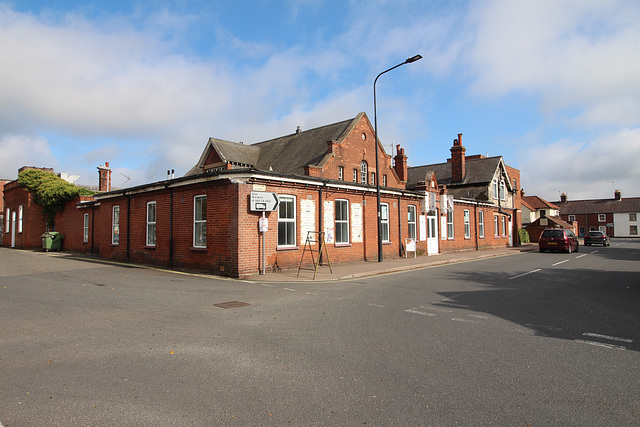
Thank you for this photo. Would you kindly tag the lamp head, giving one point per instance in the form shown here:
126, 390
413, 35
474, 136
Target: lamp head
413, 59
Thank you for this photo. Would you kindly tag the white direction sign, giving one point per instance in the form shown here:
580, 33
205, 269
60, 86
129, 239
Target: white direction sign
264, 201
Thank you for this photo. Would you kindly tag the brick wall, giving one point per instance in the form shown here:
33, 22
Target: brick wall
33, 224
490, 240
70, 223
353, 150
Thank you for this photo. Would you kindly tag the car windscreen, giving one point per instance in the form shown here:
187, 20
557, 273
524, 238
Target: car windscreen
552, 233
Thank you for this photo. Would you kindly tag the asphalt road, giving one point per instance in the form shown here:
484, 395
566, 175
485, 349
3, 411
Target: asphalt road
527, 339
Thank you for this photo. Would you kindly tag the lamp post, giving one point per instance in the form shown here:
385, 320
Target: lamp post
375, 126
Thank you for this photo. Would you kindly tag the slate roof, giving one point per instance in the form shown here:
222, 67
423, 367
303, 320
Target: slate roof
477, 171
287, 154
536, 203
598, 206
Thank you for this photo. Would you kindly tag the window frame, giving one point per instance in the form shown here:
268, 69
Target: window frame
502, 190
633, 217
412, 226
571, 218
285, 222
355, 175
341, 173
633, 230
481, 224
504, 226
384, 223
343, 222
450, 229
20, 215
373, 178
7, 220
152, 225
115, 225
496, 226
467, 224
494, 188
384, 180
200, 222
364, 168
602, 217
85, 228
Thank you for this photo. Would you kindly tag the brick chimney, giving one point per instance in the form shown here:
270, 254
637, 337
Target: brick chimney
563, 198
400, 164
458, 160
617, 194
104, 178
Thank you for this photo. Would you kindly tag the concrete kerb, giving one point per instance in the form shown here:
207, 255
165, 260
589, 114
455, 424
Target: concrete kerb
359, 269
368, 268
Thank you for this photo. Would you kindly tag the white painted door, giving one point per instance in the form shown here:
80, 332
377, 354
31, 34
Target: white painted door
432, 235
13, 229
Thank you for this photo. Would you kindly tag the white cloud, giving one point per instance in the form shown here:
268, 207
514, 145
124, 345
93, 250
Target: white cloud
584, 169
578, 55
21, 150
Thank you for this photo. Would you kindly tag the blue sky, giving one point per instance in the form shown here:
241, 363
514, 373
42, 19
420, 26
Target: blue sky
552, 86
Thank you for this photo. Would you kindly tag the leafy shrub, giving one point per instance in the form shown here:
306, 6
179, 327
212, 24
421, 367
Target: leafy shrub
523, 235
49, 191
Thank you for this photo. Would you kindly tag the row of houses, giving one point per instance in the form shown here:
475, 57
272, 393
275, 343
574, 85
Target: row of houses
325, 182
616, 217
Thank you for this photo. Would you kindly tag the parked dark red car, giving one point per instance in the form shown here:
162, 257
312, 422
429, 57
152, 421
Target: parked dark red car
596, 238
558, 239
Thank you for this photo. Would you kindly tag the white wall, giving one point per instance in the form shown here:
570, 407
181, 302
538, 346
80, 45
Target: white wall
621, 224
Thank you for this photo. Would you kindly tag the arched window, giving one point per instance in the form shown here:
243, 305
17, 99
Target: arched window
363, 172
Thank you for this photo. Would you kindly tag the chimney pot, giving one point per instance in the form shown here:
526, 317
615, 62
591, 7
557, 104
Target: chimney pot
298, 130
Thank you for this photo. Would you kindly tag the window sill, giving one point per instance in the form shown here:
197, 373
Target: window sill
342, 245
149, 246
386, 243
287, 248
197, 249
115, 245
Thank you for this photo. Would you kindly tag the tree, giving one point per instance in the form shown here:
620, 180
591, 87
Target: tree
49, 191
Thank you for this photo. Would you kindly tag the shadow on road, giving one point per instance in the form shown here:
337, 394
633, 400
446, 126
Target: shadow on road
560, 303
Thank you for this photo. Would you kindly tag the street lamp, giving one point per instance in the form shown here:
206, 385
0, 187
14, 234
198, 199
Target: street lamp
375, 126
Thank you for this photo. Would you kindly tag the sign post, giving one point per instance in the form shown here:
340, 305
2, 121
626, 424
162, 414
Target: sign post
263, 201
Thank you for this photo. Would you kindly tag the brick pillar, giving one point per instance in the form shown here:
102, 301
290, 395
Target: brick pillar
458, 160
104, 178
400, 164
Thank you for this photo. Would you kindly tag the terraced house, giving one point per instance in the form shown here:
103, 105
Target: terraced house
242, 209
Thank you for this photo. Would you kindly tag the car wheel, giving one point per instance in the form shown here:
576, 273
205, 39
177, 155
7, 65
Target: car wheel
577, 247
569, 249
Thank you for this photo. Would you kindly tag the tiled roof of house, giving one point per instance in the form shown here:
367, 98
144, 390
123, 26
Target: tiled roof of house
538, 203
288, 154
478, 175
596, 206
527, 205
477, 171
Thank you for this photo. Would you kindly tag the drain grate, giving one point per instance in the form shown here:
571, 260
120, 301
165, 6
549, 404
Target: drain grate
231, 304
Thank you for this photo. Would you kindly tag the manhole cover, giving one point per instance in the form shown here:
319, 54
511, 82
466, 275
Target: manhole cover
231, 304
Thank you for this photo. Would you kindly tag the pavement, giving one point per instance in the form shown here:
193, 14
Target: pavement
351, 270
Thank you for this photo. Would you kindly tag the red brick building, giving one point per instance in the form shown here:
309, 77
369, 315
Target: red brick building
324, 179
617, 217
